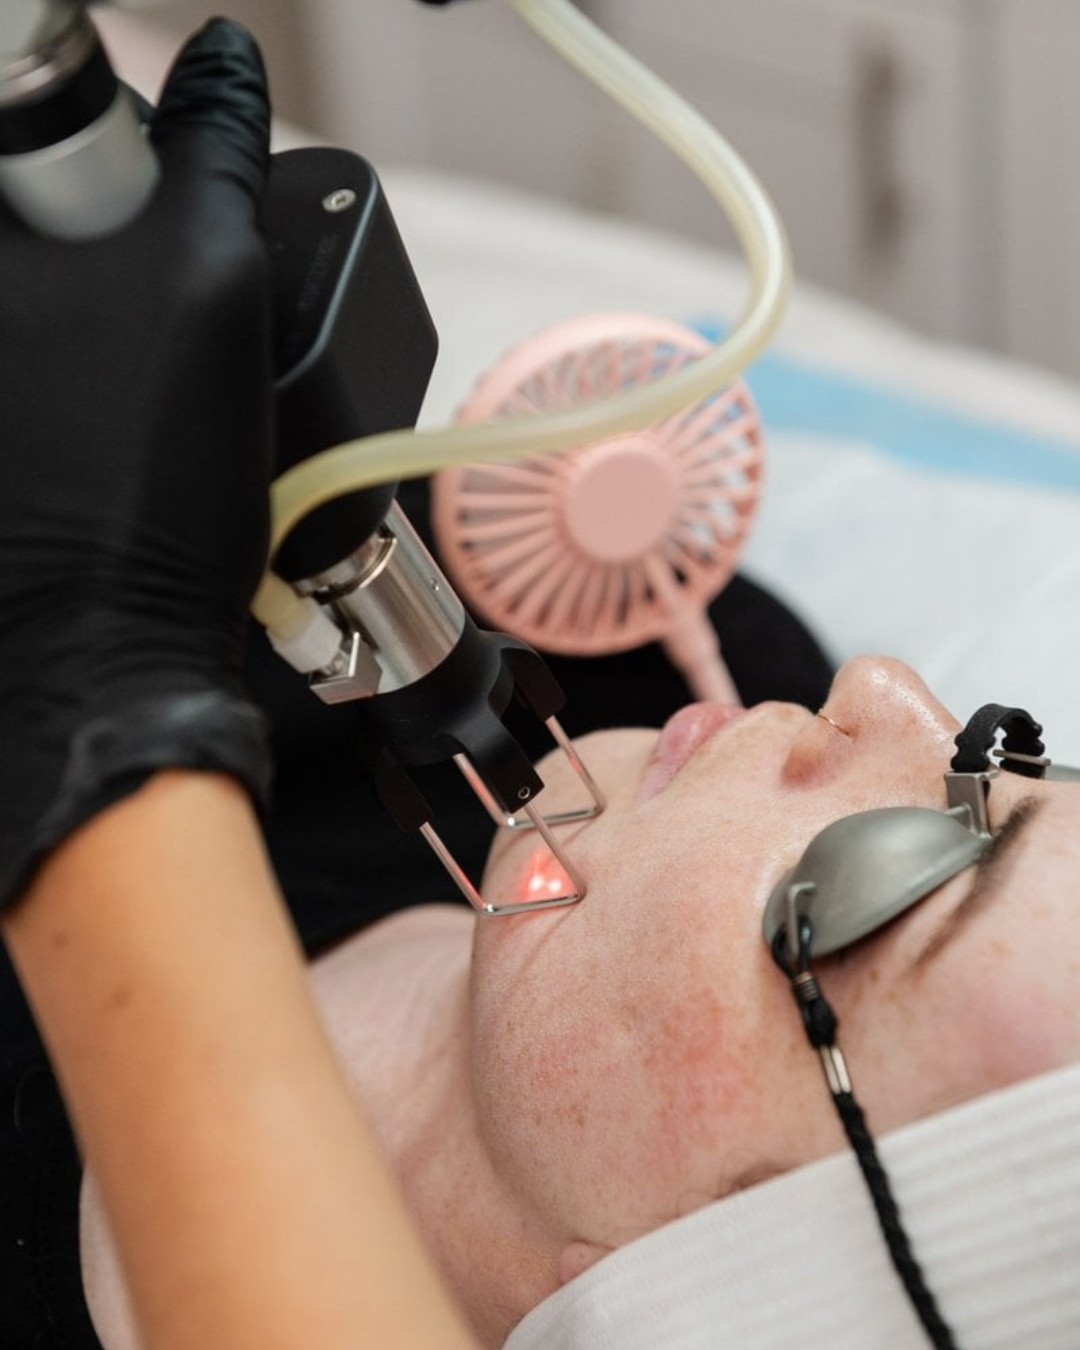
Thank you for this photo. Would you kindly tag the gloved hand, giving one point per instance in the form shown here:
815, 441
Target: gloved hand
135, 456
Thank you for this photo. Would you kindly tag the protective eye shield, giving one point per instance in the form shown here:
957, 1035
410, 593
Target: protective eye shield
856, 875
866, 869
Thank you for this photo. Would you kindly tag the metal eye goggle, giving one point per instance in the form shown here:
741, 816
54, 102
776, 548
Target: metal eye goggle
863, 870
856, 875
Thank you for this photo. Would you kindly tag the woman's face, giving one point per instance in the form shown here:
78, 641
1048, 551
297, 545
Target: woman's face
639, 1054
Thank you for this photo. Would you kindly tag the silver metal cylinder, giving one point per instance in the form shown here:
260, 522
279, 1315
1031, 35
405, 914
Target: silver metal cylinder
393, 593
96, 179
43, 43
89, 185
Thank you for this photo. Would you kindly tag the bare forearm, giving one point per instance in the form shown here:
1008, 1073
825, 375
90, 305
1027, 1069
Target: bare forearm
246, 1200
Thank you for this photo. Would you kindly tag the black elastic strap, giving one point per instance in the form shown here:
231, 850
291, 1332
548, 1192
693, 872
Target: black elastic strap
1022, 737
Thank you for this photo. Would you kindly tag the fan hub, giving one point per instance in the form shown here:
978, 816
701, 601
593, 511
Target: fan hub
621, 495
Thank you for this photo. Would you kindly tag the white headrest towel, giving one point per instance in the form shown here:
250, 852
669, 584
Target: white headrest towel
990, 1197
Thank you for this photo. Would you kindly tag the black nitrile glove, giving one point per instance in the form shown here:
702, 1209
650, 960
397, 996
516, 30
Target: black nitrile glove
135, 457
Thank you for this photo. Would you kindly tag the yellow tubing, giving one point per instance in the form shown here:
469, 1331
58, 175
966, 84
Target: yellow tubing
411, 454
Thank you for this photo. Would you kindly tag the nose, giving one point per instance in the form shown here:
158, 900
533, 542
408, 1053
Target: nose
885, 725
874, 696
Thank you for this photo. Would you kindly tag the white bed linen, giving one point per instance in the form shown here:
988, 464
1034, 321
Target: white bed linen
990, 1203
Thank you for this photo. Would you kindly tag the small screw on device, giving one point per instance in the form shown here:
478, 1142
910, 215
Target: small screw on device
341, 200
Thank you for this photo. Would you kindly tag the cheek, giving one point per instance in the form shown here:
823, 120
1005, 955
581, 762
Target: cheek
541, 877
1007, 1010
615, 1093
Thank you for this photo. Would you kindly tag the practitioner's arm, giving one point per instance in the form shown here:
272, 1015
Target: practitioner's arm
135, 447
248, 1204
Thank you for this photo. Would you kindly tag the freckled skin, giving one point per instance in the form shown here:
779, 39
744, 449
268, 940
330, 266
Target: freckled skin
549, 1086
640, 1053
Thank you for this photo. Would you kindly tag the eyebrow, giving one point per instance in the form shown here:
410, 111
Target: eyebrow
987, 886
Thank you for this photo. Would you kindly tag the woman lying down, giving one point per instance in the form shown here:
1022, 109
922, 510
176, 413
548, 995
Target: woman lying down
607, 1119
628, 1123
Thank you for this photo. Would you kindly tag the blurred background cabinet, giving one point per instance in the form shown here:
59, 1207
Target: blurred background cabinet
921, 152
1036, 80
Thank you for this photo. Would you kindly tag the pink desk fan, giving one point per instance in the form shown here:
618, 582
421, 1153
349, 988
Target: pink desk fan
617, 543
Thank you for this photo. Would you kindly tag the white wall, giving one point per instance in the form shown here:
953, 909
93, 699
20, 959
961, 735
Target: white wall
923, 153
279, 24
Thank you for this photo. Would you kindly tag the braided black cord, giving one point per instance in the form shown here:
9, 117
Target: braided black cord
896, 1239
821, 1023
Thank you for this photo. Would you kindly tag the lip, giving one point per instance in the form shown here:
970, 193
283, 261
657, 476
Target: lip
681, 737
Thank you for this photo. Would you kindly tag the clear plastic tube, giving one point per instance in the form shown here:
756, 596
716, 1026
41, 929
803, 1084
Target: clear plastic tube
408, 454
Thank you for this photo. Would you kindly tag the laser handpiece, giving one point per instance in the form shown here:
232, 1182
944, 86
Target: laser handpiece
355, 350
